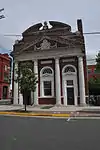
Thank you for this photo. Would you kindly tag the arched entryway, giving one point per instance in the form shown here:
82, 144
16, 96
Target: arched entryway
69, 84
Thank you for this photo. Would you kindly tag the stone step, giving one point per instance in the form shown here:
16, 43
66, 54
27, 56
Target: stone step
5, 102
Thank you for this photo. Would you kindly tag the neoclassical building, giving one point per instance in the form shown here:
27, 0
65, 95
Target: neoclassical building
58, 58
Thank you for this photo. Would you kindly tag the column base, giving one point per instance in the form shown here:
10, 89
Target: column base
35, 105
58, 105
83, 105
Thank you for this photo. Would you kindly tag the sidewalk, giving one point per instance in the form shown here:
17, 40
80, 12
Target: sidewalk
62, 111
42, 108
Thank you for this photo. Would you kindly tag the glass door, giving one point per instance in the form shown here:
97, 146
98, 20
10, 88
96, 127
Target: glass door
70, 95
70, 92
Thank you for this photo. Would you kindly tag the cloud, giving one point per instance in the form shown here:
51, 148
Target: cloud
22, 14
5, 44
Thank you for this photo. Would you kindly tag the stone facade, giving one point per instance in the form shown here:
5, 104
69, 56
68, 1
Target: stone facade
58, 57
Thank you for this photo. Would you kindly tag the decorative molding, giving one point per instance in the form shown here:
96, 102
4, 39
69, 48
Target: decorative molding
68, 60
69, 66
46, 62
48, 54
64, 79
45, 44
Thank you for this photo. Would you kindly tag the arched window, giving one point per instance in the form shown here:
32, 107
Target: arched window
47, 82
69, 69
47, 71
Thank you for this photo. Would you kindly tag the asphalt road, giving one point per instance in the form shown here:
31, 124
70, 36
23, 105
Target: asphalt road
19, 133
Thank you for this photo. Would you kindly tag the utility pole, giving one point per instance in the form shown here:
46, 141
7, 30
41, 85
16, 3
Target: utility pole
2, 16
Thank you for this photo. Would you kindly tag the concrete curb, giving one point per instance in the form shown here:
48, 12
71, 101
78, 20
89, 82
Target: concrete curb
23, 114
34, 114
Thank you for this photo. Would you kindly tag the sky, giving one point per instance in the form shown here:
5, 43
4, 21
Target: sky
21, 14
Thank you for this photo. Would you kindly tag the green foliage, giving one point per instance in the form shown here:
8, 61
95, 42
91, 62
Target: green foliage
26, 78
94, 83
94, 80
98, 62
94, 86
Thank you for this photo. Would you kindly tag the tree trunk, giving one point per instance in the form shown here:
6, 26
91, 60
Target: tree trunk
25, 107
25, 100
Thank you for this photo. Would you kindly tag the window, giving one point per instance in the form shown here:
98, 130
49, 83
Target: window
69, 69
47, 71
69, 82
47, 88
95, 71
6, 77
89, 71
46, 82
5, 67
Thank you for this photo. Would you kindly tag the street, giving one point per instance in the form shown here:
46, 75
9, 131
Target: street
27, 133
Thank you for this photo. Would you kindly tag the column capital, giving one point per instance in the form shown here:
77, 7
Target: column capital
35, 62
56, 60
80, 58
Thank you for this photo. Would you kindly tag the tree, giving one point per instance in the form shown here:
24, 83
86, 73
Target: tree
94, 86
26, 79
94, 83
98, 62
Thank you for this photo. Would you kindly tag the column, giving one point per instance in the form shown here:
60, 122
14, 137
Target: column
36, 91
57, 78
20, 94
15, 98
20, 99
81, 81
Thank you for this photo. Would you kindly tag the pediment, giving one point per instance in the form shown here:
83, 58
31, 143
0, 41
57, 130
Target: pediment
49, 42
46, 43
44, 37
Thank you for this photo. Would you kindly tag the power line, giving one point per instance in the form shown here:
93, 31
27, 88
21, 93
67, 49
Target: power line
34, 33
91, 59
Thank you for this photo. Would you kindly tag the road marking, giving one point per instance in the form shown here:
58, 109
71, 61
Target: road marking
50, 117
34, 114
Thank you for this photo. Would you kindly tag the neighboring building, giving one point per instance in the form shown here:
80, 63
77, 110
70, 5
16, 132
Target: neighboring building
4, 76
59, 60
92, 73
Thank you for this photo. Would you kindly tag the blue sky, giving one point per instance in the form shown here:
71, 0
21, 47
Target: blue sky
21, 14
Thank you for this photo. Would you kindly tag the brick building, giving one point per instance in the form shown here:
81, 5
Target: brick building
4, 76
59, 60
92, 72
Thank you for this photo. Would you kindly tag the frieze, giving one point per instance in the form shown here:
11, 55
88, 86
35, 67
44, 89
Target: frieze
45, 45
68, 60
46, 62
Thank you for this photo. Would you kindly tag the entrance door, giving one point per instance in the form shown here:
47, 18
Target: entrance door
70, 91
70, 95
70, 87
5, 92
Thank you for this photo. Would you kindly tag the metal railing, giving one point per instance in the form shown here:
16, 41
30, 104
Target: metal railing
93, 100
